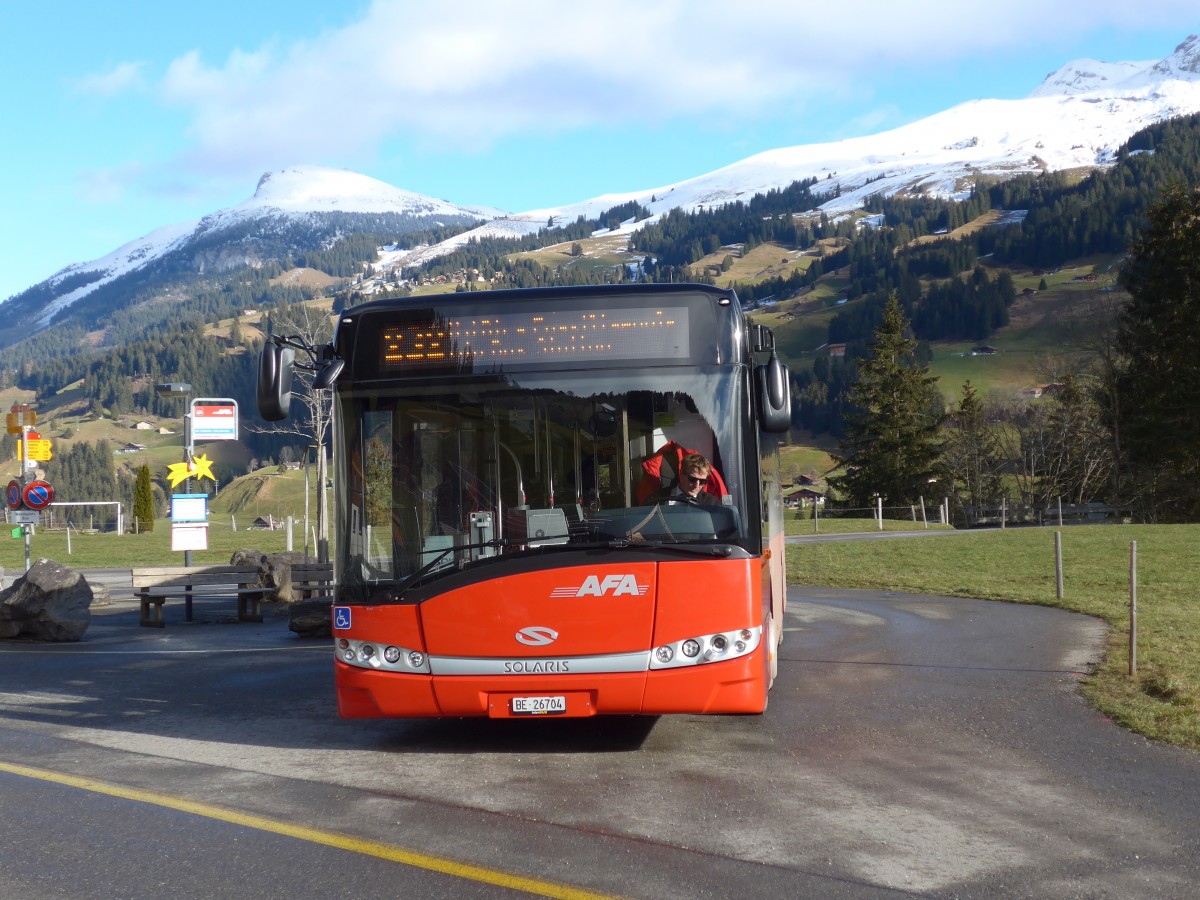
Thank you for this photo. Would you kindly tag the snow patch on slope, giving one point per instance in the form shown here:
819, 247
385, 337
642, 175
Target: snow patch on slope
125, 259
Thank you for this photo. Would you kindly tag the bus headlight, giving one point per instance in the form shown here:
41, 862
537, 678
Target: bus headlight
382, 658
717, 645
708, 648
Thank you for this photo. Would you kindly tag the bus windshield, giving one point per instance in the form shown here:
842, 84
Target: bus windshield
442, 476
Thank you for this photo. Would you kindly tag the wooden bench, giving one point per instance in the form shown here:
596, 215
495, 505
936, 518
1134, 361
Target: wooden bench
154, 585
312, 581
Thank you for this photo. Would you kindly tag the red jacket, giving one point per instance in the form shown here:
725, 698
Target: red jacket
656, 480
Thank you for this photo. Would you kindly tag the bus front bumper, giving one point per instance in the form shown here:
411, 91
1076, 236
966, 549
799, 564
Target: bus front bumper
736, 686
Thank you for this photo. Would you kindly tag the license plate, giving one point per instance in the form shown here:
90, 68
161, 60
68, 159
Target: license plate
538, 706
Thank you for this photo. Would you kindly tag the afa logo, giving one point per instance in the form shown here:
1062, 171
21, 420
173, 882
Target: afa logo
608, 586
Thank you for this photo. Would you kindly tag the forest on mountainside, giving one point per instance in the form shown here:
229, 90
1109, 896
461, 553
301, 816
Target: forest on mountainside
1120, 427
946, 291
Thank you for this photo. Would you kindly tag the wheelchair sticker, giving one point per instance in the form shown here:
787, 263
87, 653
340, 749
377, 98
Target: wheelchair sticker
341, 617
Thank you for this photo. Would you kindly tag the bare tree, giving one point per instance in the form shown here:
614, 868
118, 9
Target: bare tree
312, 326
1057, 445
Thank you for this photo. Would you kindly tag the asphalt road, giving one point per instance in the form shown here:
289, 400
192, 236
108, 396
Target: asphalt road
914, 746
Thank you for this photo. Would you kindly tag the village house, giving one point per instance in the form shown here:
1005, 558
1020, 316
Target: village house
803, 498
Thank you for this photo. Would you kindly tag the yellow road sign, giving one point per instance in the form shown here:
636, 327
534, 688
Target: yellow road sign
39, 449
20, 418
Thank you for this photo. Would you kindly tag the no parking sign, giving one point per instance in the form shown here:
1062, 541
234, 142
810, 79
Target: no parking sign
13, 494
38, 494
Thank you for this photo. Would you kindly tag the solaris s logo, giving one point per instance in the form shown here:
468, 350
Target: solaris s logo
536, 636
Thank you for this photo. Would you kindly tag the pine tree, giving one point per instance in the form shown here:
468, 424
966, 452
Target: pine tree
972, 456
892, 445
1159, 388
143, 501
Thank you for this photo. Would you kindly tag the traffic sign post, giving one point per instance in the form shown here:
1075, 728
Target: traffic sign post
25, 498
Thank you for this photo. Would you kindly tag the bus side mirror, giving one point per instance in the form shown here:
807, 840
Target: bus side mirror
275, 381
328, 374
774, 395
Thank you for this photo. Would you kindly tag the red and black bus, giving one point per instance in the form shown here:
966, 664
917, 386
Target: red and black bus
508, 535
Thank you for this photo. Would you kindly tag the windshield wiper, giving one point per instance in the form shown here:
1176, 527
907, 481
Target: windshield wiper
409, 580
721, 550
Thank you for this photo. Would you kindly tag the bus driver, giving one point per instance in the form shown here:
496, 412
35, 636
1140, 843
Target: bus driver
694, 472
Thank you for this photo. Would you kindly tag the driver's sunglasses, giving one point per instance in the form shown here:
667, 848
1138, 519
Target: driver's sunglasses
692, 479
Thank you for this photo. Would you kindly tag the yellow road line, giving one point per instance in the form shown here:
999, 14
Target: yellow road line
315, 836
67, 651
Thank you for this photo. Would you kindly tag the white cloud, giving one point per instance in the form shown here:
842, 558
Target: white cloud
471, 72
121, 78
107, 185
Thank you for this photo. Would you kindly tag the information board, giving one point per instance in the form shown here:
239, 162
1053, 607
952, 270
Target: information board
214, 419
189, 507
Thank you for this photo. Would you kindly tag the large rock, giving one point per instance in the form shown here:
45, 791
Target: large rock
311, 618
274, 572
246, 557
50, 602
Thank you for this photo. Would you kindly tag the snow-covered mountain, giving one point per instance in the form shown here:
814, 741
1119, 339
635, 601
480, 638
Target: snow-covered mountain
1077, 118
288, 199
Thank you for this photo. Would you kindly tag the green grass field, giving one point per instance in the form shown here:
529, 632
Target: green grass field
109, 550
1018, 565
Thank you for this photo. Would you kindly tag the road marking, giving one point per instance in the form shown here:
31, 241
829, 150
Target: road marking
377, 849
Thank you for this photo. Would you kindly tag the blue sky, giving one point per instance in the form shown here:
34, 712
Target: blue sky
121, 117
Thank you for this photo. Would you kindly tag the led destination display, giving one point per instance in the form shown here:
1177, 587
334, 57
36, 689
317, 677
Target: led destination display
542, 337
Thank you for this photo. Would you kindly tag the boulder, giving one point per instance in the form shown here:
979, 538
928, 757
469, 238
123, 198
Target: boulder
311, 618
50, 602
274, 572
101, 596
246, 557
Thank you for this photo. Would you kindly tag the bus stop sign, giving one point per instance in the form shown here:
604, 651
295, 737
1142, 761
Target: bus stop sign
214, 419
